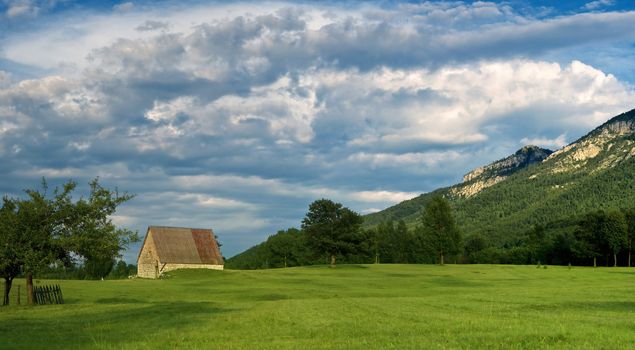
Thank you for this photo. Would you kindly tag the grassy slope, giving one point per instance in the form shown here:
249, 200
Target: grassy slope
352, 307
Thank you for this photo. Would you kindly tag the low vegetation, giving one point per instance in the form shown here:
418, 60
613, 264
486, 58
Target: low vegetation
348, 307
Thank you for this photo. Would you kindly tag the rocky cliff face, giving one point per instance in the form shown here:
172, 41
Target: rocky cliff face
606, 146
506, 166
486, 176
602, 148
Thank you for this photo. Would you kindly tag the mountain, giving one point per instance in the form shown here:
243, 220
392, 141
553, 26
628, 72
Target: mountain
480, 178
504, 199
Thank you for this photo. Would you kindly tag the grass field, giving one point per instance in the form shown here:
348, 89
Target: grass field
350, 307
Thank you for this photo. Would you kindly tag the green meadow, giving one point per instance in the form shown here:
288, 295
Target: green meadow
349, 307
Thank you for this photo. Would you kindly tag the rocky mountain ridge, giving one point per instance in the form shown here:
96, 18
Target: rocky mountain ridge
503, 199
489, 175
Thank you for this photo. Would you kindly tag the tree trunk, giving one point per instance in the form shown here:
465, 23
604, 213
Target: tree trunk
614, 260
332, 260
595, 261
7, 289
29, 289
285, 261
441, 259
630, 246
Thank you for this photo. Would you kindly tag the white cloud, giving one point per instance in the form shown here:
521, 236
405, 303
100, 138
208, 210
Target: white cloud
124, 7
383, 196
278, 34
21, 8
594, 5
168, 111
5, 79
397, 160
152, 25
544, 142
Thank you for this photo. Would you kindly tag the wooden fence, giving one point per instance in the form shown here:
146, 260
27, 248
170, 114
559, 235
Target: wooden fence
48, 295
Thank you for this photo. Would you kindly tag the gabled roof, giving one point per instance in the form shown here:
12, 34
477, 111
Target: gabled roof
182, 245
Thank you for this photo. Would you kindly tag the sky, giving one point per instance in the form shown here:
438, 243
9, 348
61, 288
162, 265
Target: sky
237, 115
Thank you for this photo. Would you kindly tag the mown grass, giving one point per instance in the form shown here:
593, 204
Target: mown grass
350, 307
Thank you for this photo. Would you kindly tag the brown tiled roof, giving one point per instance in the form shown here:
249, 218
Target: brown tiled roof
185, 245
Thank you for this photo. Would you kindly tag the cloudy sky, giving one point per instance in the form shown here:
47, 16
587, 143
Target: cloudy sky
236, 116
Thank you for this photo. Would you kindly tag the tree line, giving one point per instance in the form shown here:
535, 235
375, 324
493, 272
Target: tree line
83, 270
48, 228
537, 195
331, 232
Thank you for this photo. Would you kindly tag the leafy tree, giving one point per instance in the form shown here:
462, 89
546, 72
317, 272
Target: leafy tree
439, 229
403, 242
284, 244
9, 250
384, 243
590, 242
564, 248
90, 232
629, 216
99, 268
615, 231
536, 242
332, 228
56, 228
39, 225
119, 270
474, 244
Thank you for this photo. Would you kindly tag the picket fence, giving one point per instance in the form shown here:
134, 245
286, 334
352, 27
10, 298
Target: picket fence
48, 295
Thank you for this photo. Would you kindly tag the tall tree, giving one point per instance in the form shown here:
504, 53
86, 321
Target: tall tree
9, 249
332, 228
536, 243
474, 244
590, 241
404, 243
439, 229
284, 244
384, 244
629, 216
615, 230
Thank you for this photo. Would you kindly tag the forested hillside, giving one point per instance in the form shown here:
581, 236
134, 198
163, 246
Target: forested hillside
534, 206
594, 172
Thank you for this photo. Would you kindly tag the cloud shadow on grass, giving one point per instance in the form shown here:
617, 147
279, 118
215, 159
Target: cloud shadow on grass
107, 324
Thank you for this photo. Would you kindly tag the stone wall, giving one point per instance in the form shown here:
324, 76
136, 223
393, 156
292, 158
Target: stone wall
148, 261
171, 267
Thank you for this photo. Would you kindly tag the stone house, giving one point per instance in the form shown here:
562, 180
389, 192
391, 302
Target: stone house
170, 248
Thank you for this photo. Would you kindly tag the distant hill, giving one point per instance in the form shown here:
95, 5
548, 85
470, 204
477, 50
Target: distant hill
534, 185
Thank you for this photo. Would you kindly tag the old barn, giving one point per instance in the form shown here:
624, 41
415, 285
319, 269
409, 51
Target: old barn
170, 248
